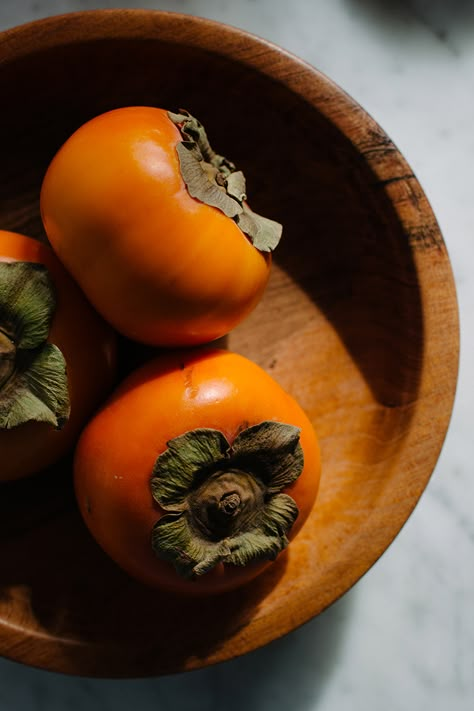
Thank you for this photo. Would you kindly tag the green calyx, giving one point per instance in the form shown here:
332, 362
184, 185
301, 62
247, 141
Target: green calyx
225, 503
214, 180
33, 379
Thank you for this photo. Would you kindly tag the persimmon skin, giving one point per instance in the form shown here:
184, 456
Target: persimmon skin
162, 267
170, 395
89, 347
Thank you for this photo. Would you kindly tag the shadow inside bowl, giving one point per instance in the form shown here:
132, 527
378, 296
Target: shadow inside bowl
61, 586
343, 241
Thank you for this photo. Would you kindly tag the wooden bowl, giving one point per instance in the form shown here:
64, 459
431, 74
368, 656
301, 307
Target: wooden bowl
359, 323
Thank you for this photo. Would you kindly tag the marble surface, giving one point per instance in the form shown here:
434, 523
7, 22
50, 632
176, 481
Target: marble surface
403, 638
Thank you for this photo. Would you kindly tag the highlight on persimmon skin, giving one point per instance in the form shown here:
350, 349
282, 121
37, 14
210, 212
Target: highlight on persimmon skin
163, 267
146, 471
82, 345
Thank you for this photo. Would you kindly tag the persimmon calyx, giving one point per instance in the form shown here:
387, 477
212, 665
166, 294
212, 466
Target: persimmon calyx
33, 378
223, 502
214, 180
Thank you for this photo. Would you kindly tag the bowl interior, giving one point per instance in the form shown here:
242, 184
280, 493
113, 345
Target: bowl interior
347, 325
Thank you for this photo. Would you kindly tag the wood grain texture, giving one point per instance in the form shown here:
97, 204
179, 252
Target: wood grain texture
359, 323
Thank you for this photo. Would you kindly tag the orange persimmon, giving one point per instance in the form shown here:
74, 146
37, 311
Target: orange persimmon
197, 471
57, 358
155, 227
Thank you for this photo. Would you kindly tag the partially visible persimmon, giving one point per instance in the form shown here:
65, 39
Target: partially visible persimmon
57, 358
155, 227
197, 472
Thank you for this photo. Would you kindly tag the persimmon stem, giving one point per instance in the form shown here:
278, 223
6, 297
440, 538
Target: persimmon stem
229, 504
226, 502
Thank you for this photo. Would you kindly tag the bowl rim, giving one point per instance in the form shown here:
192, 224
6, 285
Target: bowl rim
393, 174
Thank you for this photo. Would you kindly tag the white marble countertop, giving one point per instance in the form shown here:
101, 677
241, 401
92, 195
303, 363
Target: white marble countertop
403, 638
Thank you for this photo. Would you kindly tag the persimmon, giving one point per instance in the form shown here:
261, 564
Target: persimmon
155, 227
197, 472
57, 358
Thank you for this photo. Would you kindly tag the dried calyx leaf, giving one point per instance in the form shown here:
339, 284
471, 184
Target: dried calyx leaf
33, 378
214, 180
224, 503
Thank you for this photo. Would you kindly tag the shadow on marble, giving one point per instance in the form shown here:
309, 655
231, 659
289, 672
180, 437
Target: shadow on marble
289, 673
445, 19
